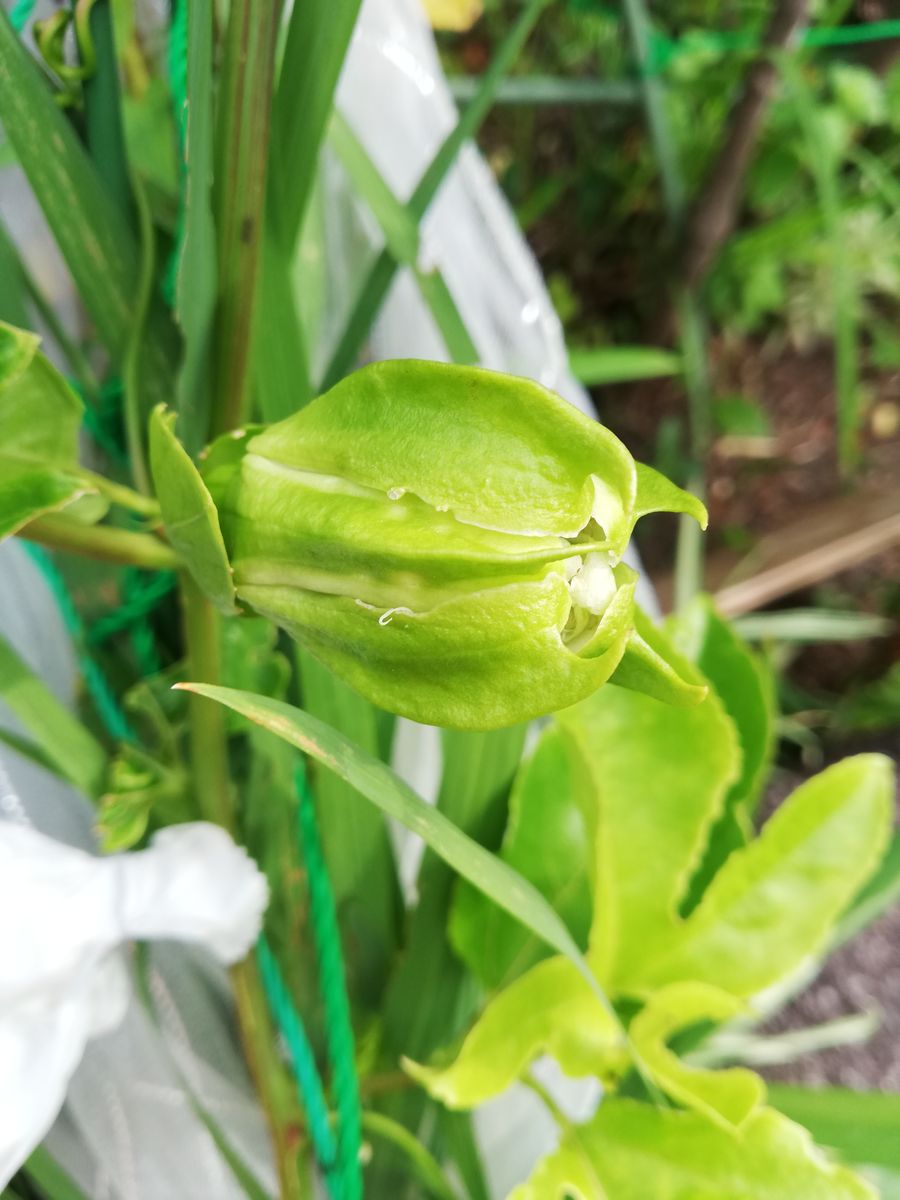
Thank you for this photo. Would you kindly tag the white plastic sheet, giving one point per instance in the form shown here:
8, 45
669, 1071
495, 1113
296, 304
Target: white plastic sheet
68, 911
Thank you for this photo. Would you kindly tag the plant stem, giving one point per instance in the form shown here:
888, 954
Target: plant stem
125, 497
246, 97
102, 541
691, 333
212, 786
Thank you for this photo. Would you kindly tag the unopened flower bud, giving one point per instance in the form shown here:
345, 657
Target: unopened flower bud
446, 539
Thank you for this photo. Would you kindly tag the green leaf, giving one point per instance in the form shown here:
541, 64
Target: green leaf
650, 665
774, 902
99, 248
250, 660
631, 1151
71, 750
318, 35
377, 284
744, 686
621, 364
880, 892
55, 1183
549, 1010
660, 775
800, 625
13, 283
860, 93
39, 420
195, 292
431, 998
401, 233
860, 1126
317, 38
423, 1166
188, 512
747, 691
355, 837
387, 791
548, 840
737, 416
725, 1097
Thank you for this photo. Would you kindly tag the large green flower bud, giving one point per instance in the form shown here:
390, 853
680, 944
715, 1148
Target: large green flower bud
446, 539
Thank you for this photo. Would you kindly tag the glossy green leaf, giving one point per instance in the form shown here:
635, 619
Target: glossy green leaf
774, 902
726, 1097
660, 776
632, 1151
39, 420
746, 688
548, 840
549, 1010
880, 892
860, 1126
189, 514
70, 748
379, 784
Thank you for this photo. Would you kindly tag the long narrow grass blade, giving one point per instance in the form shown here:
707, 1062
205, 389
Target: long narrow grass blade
377, 283
74, 752
825, 165
243, 151
355, 838
195, 289
316, 44
50, 1177
103, 110
317, 39
280, 368
379, 784
621, 364
401, 234
13, 287
861, 1126
91, 231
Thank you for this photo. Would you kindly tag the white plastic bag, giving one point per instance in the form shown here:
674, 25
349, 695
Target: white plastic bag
68, 912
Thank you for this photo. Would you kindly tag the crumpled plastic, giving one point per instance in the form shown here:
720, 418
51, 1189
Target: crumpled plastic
66, 912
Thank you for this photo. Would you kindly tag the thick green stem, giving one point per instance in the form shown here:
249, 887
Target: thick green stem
247, 84
102, 541
213, 790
